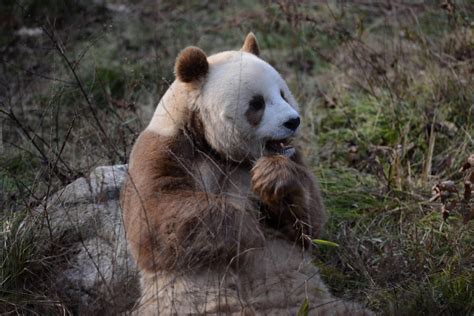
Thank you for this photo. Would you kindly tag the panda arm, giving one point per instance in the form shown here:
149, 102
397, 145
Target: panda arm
290, 195
169, 223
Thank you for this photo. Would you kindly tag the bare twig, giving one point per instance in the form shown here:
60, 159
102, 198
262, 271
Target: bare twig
72, 68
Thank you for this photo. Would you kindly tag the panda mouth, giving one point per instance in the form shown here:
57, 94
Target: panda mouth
280, 147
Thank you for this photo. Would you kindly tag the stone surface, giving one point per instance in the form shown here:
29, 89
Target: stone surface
85, 220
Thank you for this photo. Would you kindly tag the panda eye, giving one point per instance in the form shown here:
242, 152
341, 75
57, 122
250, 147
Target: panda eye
257, 103
282, 95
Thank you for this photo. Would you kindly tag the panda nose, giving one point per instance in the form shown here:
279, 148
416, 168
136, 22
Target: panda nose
292, 123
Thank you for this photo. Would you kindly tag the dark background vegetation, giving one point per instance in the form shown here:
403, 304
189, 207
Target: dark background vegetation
386, 89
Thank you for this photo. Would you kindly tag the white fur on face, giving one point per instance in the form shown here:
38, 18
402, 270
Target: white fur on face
277, 111
234, 79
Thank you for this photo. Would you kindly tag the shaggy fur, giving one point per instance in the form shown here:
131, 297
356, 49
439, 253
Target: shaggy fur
173, 220
215, 224
192, 65
291, 199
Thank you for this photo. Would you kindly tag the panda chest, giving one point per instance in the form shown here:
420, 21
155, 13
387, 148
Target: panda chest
216, 178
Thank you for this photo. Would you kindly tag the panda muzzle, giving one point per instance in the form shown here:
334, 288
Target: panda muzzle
280, 147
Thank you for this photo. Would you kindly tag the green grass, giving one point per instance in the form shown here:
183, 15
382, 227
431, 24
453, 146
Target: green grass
394, 250
23, 268
371, 84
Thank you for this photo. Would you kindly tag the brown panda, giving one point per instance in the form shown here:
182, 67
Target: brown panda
219, 206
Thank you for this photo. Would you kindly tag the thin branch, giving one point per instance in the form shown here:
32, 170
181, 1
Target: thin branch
79, 83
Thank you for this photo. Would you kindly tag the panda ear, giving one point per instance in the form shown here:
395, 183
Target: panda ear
251, 45
191, 64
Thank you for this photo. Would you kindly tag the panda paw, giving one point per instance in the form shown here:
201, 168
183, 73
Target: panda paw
275, 179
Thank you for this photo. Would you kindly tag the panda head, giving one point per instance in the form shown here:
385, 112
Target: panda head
245, 106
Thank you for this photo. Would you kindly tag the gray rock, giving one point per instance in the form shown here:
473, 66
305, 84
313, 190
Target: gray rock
84, 218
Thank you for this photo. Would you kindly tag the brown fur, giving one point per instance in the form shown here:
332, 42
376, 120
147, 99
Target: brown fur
170, 223
191, 64
251, 45
254, 113
213, 236
291, 197
187, 208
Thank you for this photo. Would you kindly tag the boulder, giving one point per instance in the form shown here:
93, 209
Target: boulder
84, 220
